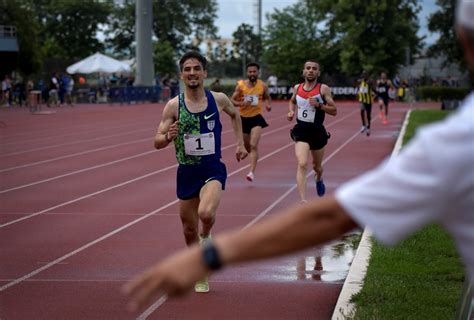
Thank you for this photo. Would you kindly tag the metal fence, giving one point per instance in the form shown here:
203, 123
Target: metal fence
7, 31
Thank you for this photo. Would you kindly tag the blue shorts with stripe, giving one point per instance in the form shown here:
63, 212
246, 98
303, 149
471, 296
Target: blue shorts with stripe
191, 178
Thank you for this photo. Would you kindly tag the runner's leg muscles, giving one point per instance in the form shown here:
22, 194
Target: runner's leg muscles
210, 197
188, 212
301, 152
318, 156
255, 135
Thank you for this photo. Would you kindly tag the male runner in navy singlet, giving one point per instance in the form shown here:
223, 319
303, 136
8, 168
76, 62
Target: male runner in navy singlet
191, 120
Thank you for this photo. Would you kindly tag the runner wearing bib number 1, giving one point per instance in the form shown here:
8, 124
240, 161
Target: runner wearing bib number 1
310, 102
191, 120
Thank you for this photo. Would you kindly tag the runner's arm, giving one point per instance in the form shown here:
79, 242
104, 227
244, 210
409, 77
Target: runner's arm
267, 98
168, 127
330, 106
226, 105
292, 104
236, 97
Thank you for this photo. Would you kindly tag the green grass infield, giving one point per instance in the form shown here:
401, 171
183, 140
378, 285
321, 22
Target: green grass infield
422, 277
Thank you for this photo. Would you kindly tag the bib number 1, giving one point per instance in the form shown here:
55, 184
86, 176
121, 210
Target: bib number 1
199, 144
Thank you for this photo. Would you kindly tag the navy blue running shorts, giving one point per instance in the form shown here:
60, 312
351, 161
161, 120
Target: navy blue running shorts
191, 178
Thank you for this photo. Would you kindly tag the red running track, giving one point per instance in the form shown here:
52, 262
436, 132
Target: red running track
87, 203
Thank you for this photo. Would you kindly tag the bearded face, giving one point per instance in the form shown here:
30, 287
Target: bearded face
193, 74
252, 74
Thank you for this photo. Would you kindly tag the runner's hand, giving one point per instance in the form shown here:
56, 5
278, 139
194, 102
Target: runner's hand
241, 153
173, 131
290, 115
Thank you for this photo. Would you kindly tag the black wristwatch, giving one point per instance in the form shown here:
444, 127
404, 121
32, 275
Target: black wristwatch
211, 255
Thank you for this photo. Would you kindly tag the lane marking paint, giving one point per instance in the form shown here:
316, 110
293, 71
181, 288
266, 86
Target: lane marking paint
163, 298
131, 181
71, 143
126, 226
88, 168
72, 155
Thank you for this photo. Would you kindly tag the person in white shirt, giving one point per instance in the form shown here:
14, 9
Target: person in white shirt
431, 180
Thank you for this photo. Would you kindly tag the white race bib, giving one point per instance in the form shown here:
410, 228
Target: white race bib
199, 144
306, 112
252, 98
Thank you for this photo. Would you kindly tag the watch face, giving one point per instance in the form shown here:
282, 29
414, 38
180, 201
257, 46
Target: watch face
211, 256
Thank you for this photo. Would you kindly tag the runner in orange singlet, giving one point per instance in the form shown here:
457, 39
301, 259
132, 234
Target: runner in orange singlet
249, 96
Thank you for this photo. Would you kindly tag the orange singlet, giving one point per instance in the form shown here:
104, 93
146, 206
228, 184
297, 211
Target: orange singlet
254, 95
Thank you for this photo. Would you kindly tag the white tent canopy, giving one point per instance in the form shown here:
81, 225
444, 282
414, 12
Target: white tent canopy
98, 63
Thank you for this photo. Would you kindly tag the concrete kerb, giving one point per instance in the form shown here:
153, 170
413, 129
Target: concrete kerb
345, 309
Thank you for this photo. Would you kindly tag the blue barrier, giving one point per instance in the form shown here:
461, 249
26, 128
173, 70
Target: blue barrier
134, 94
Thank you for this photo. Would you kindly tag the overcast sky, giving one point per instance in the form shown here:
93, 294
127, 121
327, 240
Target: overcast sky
232, 13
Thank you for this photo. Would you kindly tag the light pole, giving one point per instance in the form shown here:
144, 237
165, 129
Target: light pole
143, 35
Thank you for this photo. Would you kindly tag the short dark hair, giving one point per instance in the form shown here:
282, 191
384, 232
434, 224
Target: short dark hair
253, 64
193, 55
313, 61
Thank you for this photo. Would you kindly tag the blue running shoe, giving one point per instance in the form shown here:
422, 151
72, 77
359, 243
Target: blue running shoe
320, 188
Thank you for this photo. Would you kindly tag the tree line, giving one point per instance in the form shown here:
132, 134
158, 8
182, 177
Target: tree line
345, 36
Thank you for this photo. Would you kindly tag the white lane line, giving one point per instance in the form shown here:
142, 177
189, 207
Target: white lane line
139, 178
104, 237
86, 196
153, 307
88, 168
78, 171
73, 143
109, 214
163, 298
72, 155
72, 253
87, 140
263, 213
355, 277
82, 170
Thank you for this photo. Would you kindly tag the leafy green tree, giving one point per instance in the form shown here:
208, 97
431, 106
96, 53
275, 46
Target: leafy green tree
447, 45
120, 30
345, 36
247, 44
374, 35
27, 31
294, 35
68, 28
183, 24
75, 26
164, 57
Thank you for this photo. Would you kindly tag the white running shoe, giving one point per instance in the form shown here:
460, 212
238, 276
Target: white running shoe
250, 176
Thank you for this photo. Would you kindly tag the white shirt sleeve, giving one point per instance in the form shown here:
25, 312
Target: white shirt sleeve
431, 180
